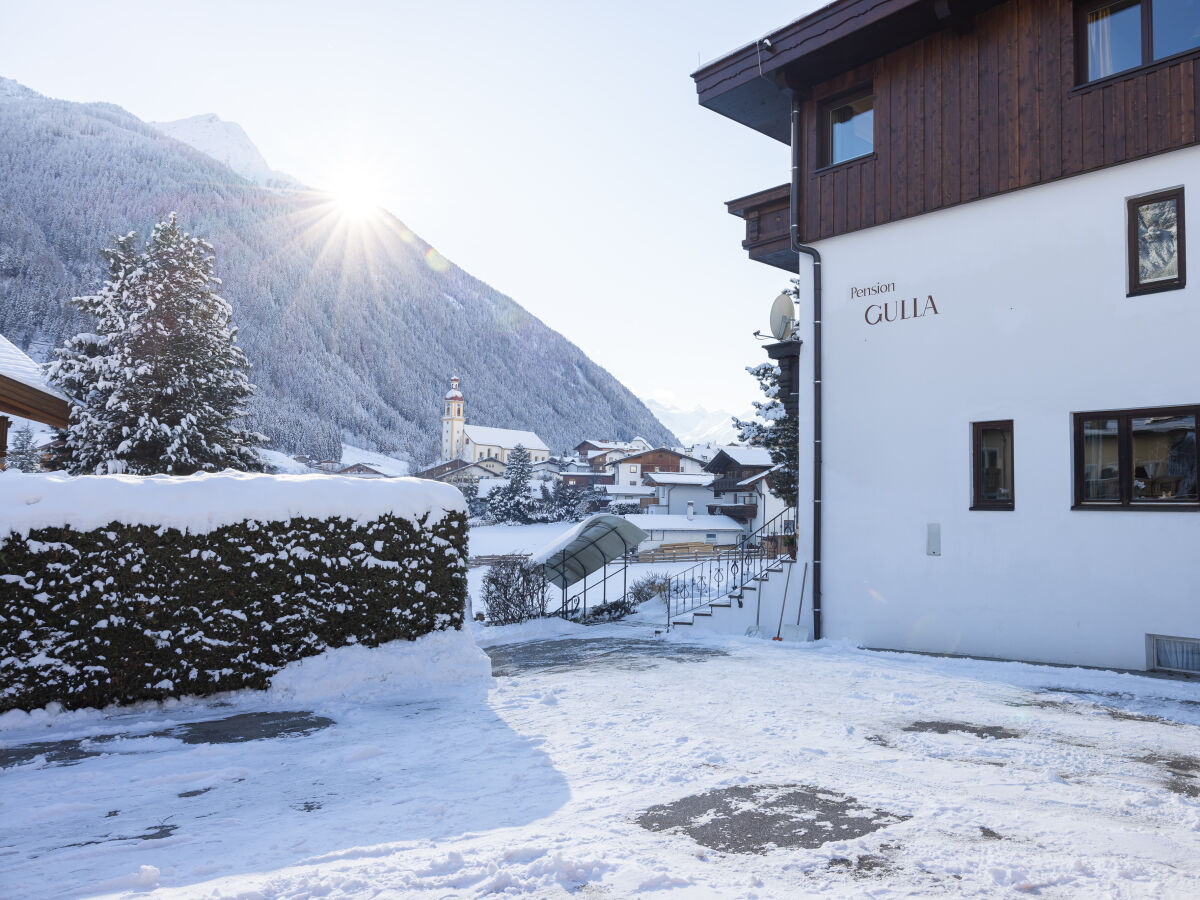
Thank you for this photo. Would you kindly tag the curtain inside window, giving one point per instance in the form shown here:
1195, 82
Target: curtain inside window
1173, 654
1114, 39
1099, 36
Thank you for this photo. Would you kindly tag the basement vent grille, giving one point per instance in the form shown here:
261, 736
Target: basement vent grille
1174, 654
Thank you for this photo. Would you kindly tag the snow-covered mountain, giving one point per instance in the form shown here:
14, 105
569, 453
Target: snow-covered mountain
227, 143
352, 340
698, 425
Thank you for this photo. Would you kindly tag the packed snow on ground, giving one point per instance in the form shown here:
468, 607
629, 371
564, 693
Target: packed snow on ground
201, 503
976, 778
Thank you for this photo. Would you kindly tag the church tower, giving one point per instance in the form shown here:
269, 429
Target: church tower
453, 422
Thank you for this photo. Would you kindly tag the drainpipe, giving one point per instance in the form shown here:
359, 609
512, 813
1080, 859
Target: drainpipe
798, 248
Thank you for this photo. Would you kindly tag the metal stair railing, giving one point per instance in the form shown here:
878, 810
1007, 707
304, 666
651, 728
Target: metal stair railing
733, 572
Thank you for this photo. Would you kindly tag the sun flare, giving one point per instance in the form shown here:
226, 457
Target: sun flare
356, 199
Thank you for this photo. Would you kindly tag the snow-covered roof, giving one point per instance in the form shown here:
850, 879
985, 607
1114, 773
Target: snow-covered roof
631, 490
587, 547
380, 462
16, 365
646, 521
639, 453
700, 480
504, 437
748, 456
746, 482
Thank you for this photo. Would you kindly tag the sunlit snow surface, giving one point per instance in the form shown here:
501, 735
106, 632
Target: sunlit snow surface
602, 763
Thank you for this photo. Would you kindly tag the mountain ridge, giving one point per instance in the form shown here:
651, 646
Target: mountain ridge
353, 334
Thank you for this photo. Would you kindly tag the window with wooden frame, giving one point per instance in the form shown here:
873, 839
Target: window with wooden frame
1156, 242
992, 469
1143, 458
1117, 35
847, 126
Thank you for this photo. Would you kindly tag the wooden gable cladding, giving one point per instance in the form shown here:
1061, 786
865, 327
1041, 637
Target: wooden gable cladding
964, 116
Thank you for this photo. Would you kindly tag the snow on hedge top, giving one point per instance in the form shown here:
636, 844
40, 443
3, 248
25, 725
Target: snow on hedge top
19, 367
202, 503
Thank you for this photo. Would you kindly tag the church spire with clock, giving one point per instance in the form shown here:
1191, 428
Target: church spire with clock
453, 422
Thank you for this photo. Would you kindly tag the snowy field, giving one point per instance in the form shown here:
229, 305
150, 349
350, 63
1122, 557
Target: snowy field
610, 763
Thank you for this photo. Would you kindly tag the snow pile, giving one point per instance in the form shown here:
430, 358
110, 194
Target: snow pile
436, 665
201, 503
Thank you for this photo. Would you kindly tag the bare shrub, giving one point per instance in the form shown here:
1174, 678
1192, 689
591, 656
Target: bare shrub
514, 591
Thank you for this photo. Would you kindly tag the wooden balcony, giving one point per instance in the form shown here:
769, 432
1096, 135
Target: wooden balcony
768, 215
741, 512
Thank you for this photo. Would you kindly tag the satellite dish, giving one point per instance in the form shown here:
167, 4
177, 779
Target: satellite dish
783, 314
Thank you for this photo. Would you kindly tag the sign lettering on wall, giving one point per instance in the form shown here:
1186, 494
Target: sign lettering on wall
899, 310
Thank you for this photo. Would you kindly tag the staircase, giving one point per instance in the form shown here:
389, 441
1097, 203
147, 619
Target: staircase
743, 590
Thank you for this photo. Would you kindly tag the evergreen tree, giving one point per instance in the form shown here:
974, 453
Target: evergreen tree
22, 454
778, 432
158, 384
512, 502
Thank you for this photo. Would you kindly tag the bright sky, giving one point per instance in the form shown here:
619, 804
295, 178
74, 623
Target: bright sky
552, 149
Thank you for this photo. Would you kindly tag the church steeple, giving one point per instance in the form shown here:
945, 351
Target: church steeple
453, 421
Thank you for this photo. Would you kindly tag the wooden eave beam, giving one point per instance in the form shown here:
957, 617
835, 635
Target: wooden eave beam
747, 85
19, 399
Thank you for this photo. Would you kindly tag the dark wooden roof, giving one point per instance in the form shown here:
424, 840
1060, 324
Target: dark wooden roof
745, 85
19, 399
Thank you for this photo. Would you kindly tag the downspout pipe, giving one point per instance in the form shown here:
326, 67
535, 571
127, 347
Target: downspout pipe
799, 248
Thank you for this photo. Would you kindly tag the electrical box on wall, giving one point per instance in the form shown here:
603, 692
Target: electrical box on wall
933, 539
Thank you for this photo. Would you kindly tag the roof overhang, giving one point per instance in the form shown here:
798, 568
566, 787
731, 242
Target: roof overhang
587, 548
751, 84
19, 399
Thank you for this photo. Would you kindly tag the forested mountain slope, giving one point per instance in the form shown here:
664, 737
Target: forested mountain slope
352, 332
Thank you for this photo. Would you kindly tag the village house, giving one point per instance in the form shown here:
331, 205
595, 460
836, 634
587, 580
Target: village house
628, 470
987, 215
636, 445
361, 470
638, 494
674, 491
459, 471
25, 393
479, 442
716, 531
741, 487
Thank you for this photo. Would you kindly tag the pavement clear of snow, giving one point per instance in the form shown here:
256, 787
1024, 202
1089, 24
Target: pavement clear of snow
611, 762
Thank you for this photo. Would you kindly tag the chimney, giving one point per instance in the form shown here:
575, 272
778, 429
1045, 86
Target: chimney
691, 510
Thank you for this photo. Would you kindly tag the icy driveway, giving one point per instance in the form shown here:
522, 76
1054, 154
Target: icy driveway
621, 765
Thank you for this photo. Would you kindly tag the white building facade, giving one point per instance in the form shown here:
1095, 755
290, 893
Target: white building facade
1010, 394
1035, 329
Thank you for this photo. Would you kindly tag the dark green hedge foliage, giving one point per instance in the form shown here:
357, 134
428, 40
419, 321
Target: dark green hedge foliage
130, 612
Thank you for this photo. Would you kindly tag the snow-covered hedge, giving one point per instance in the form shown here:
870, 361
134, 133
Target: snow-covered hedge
119, 588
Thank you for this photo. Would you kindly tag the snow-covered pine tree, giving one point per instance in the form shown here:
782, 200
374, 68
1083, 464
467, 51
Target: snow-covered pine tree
512, 502
22, 454
777, 432
157, 386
